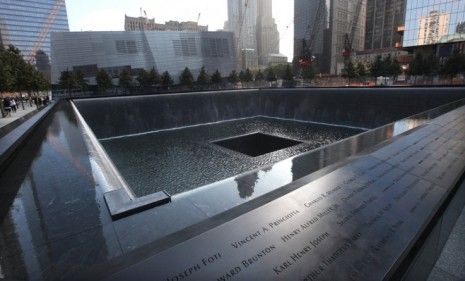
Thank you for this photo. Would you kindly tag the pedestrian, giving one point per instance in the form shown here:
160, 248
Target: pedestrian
13, 105
7, 107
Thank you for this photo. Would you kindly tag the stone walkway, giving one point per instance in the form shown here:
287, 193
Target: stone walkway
16, 115
451, 263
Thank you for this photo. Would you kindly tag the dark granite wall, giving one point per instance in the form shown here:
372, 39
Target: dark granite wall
110, 117
368, 108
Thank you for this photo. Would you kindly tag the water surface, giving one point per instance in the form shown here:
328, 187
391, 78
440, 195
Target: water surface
183, 159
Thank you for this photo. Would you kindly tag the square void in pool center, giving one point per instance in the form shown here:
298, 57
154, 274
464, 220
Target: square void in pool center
256, 144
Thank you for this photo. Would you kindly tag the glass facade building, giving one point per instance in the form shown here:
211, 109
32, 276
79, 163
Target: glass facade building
332, 20
383, 19
27, 24
429, 22
242, 21
114, 51
311, 19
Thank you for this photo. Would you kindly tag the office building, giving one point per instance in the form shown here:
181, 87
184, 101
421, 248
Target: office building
275, 59
249, 59
267, 32
323, 27
369, 56
383, 17
115, 51
144, 23
254, 28
242, 21
434, 28
27, 24
311, 27
433, 23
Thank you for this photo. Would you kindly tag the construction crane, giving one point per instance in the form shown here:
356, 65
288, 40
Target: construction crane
45, 31
307, 57
241, 19
349, 37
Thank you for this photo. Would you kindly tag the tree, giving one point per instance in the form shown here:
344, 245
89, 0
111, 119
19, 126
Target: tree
153, 77
245, 76
454, 65
308, 74
18, 75
203, 78
186, 78
233, 77
289, 76
125, 79
216, 77
103, 80
7, 78
143, 78
248, 76
36, 81
259, 76
386, 69
67, 80
242, 76
349, 71
376, 68
280, 70
417, 65
431, 65
395, 69
80, 81
361, 70
270, 75
166, 80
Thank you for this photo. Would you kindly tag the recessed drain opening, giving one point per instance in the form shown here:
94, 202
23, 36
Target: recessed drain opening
256, 144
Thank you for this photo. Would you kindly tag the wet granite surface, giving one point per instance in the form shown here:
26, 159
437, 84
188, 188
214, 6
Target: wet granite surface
184, 159
54, 224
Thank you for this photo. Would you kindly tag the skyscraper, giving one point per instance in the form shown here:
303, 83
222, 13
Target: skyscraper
347, 18
267, 32
254, 28
27, 25
325, 25
311, 25
383, 18
242, 21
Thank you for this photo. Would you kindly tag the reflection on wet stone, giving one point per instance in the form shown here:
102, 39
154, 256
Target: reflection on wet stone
246, 184
189, 151
354, 221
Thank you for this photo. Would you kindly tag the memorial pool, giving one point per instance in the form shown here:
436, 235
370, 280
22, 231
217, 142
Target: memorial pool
183, 159
56, 184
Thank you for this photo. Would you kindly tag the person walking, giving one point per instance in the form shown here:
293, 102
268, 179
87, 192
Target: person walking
7, 107
13, 105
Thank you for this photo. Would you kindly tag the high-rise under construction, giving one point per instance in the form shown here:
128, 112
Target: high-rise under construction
27, 25
329, 30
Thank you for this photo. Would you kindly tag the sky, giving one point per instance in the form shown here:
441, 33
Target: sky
108, 15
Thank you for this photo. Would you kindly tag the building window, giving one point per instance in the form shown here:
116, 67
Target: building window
126, 47
186, 47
